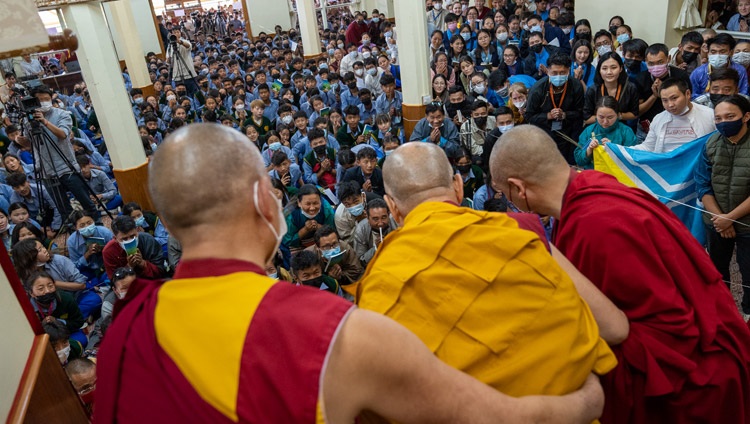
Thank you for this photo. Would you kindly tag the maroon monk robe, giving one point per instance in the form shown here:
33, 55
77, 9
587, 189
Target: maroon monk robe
687, 357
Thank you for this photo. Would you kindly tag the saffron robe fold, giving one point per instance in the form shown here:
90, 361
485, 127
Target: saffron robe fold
487, 298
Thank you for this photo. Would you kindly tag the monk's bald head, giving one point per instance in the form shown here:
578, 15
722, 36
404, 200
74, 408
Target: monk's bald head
416, 172
203, 174
527, 153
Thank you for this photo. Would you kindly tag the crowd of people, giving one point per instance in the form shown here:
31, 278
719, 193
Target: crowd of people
327, 133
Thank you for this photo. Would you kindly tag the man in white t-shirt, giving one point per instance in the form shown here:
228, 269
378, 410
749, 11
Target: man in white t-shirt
680, 123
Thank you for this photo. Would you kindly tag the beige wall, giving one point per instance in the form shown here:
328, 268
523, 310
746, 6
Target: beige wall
16, 346
651, 20
265, 15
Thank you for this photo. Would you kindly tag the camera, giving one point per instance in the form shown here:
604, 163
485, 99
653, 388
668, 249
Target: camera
172, 38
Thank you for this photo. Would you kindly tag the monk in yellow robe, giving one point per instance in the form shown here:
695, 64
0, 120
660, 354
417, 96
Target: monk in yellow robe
482, 293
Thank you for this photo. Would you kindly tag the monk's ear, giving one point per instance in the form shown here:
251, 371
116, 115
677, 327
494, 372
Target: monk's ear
458, 188
516, 185
395, 213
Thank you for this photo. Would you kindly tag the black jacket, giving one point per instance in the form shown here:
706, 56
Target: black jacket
376, 179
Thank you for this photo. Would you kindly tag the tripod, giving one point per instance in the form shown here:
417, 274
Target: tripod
172, 64
39, 139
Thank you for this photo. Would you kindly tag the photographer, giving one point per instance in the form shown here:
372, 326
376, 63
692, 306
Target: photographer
52, 162
11, 94
178, 52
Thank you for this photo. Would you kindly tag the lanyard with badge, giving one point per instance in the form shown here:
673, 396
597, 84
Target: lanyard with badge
557, 124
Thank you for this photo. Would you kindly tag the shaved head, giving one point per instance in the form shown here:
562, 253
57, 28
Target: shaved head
203, 175
416, 172
527, 153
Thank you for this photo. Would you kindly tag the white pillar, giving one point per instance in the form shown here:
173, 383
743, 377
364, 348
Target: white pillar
101, 71
308, 27
123, 23
265, 15
411, 21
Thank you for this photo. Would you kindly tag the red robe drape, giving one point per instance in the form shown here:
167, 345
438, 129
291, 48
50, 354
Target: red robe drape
687, 356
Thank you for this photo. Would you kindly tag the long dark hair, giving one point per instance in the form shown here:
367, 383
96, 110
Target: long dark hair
27, 225
24, 257
622, 79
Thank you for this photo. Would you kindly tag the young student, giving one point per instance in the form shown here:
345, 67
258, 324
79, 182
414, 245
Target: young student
390, 143
257, 118
383, 123
390, 101
320, 165
51, 305
351, 134
307, 269
285, 171
64, 346
366, 173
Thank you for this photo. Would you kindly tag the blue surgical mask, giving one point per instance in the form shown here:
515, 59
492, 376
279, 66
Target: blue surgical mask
389, 152
138, 101
274, 275
88, 231
141, 222
308, 216
388, 34
466, 36
274, 146
622, 38
505, 128
331, 52
328, 254
536, 28
558, 80
357, 210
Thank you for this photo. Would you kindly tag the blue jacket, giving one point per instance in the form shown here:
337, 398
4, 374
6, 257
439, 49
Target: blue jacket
448, 139
77, 247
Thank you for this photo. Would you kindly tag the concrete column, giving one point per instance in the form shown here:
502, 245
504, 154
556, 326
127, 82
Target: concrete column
265, 15
101, 71
308, 27
123, 23
414, 61
652, 21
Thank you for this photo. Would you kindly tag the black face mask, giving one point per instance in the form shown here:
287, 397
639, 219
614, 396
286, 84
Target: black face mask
78, 91
688, 57
464, 169
613, 29
152, 132
481, 122
46, 298
366, 101
320, 150
537, 48
352, 85
275, 76
204, 85
315, 282
715, 98
181, 93
633, 65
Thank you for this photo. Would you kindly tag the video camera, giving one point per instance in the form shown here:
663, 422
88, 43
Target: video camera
173, 38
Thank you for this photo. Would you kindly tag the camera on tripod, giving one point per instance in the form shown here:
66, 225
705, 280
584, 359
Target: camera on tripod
29, 106
173, 39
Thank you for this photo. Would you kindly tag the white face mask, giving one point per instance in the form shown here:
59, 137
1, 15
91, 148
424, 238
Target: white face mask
122, 294
520, 104
479, 88
45, 106
366, 55
171, 98
358, 72
743, 58
282, 222
63, 354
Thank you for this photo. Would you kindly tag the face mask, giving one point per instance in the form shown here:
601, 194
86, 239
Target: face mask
436, 6
357, 210
479, 89
280, 215
481, 122
275, 146
502, 37
566, 31
88, 231
466, 36
372, 72
602, 50
328, 254
274, 275
122, 294
239, 107
366, 55
536, 28
730, 128
63, 354
718, 60
452, 27
743, 58
519, 105
171, 98
622, 38
505, 128
688, 57
558, 80
141, 222
503, 92
181, 93
464, 169
715, 98
308, 216
315, 282
359, 72
138, 100
633, 65
353, 55
45, 106
46, 298
464, 7
320, 150
387, 153
612, 29
152, 132
365, 42
657, 71
130, 246
340, 45
331, 52
286, 120
537, 48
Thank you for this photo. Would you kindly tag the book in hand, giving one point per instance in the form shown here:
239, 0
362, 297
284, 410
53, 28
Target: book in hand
95, 240
326, 111
367, 131
336, 259
276, 86
326, 86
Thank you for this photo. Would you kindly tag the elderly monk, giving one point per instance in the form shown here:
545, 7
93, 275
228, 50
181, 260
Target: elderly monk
686, 358
287, 354
484, 295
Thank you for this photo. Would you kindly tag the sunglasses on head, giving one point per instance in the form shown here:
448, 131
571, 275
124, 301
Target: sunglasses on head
123, 272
